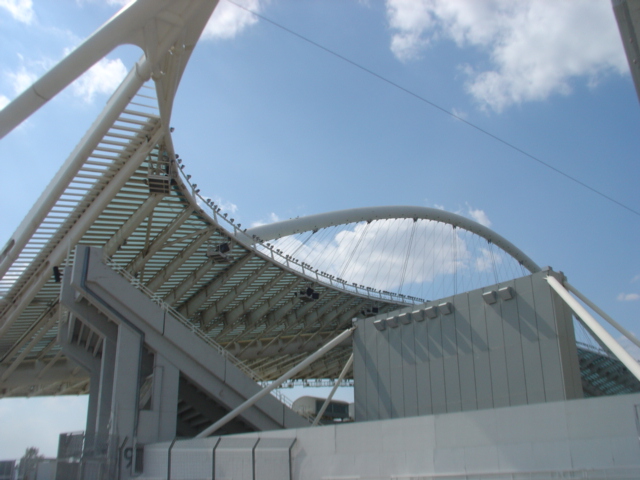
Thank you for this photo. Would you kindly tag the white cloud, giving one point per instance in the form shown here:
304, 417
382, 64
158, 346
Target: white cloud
272, 219
479, 216
535, 48
21, 79
486, 261
20, 10
225, 206
4, 101
628, 297
228, 19
460, 113
103, 78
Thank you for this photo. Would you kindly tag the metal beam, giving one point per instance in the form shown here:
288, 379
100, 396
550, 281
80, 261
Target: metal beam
345, 370
343, 318
52, 310
298, 344
218, 307
159, 241
293, 317
259, 312
178, 292
253, 318
172, 267
34, 341
130, 225
601, 312
191, 306
592, 324
232, 317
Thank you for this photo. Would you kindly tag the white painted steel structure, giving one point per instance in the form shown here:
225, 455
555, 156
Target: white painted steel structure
122, 189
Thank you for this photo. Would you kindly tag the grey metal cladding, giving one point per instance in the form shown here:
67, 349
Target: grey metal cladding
514, 346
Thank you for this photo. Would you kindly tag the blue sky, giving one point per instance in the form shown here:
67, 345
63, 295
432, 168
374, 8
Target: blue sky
273, 127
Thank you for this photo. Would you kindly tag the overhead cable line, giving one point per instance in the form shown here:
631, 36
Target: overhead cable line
442, 109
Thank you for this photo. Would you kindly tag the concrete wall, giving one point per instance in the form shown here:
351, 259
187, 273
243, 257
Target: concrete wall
472, 351
593, 438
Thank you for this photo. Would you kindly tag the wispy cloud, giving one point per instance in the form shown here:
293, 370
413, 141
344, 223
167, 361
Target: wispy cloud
4, 101
479, 216
628, 297
20, 10
272, 219
535, 48
228, 20
225, 205
21, 79
103, 78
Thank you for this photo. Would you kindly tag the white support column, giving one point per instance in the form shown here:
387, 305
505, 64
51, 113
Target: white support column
275, 384
597, 329
326, 403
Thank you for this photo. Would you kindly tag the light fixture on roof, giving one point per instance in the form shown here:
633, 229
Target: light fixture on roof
56, 275
506, 293
219, 253
490, 297
445, 308
308, 295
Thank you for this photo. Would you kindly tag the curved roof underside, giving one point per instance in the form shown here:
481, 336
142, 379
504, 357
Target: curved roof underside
122, 190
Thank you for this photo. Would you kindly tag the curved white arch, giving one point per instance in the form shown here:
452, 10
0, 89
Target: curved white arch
341, 217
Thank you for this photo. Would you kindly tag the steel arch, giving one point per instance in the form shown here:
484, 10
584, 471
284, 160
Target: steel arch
309, 223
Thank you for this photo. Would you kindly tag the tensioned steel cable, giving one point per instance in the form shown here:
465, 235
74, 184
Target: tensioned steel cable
442, 109
406, 260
